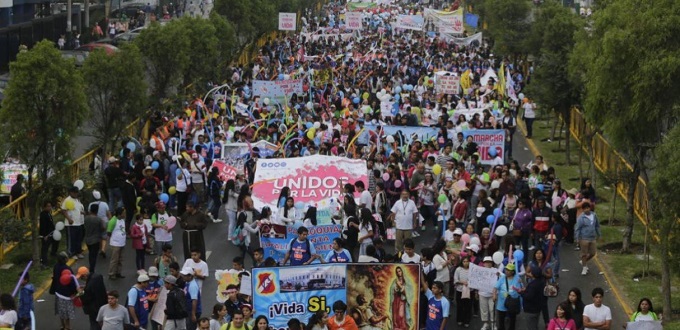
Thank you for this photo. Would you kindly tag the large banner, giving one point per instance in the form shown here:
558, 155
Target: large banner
277, 90
353, 21
446, 21
226, 171
236, 154
487, 139
274, 239
409, 133
448, 84
410, 22
355, 6
313, 180
388, 292
10, 172
287, 21
475, 38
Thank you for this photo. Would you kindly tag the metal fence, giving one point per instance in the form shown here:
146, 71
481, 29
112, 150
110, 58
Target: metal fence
606, 159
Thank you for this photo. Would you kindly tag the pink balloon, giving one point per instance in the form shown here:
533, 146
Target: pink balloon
461, 184
172, 222
397, 184
386, 176
465, 238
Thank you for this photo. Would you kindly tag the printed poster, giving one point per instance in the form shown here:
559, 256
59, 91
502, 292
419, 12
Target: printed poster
410, 22
448, 84
10, 172
226, 172
287, 21
225, 278
353, 21
446, 21
274, 239
487, 139
390, 292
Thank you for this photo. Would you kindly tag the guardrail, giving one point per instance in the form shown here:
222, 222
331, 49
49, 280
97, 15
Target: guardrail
606, 158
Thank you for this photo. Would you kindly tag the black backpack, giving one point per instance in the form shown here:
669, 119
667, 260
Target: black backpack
175, 307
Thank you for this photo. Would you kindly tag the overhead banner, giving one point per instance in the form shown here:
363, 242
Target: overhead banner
446, 21
475, 38
353, 21
410, 22
313, 180
274, 239
448, 84
388, 292
277, 89
487, 139
287, 21
355, 6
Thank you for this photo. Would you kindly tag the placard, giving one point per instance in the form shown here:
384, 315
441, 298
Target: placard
158, 311
644, 325
448, 84
482, 278
410, 22
353, 21
487, 139
287, 21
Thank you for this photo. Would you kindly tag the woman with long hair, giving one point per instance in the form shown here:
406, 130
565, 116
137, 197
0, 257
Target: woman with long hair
365, 230
562, 319
441, 264
261, 323
310, 217
645, 312
283, 197
576, 306
400, 301
217, 318
287, 214
8, 311
229, 208
463, 293
318, 321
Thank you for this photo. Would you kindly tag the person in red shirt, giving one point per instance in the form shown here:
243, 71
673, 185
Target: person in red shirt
341, 321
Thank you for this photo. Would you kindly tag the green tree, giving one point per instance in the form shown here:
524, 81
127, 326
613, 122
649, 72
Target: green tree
227, 44
508, 25
666, 210
239, 13
116, 92
203, 49
551, 41
629, 60
165, 51
43, 109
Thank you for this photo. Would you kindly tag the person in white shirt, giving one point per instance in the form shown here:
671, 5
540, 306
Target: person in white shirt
198, 173
182, 185
597, 316
74, 220
405, 215
365, 199
287, 214
410, 256
199, 266
104, 214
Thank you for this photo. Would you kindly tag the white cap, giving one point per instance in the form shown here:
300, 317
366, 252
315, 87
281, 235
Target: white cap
97, 195
153, 271
458, 232
473, 247
142, 278
488, 258
187, 271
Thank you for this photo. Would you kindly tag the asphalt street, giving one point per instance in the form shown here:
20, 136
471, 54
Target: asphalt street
220, 252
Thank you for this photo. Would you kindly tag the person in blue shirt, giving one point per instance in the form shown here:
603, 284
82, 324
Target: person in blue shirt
137, 302
193, 297
338, 254
300, 250
509, 284
25, 302
437, 305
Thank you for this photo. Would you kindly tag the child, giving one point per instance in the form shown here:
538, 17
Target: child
150, 236
410, 256
139, 235
25, 303
248, 319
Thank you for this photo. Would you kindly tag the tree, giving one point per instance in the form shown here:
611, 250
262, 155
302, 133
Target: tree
203, 49
165, 51
665, 210
116, 92
508, 25
227, 43
629, 60
44, 107
239, 13
552, 41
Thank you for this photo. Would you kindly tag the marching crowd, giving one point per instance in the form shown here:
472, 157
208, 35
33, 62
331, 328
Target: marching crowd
505, 215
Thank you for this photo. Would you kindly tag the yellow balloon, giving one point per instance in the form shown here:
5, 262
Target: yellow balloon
223, 106
216, 115
172, 190
365, 96
311, 133
138, 200
437, 169
70, 204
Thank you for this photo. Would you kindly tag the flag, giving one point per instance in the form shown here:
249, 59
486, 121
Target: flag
472, 20
509, 86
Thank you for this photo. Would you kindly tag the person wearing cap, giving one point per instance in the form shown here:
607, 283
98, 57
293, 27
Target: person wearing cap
509, 284
94, 294
453, 236
175, 305
94, 230
152, 292
138, 303
114, 176
104, 214
193, 222
193, 297
486, 302
73, 220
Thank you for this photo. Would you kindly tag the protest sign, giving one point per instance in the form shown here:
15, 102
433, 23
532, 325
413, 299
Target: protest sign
224, 279
283, 293
274, 239
448, 84
410, 22
226, 172
487, 139
278, 90
644, 325
481, 278
446, 21
353, 20
287, 21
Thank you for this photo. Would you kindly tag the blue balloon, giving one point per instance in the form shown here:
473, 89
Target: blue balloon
178, 171
498, 213
131, 145
299, 205
490, 219
356, 100
155, 165
164, 198
493, 152
309, 125
397, 90
518, 255
540, 187
397, 97
281, 76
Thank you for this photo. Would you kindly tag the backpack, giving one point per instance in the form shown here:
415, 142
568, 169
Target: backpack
175, 307
238, 236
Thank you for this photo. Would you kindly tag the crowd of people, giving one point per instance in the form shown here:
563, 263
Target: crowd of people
380, 76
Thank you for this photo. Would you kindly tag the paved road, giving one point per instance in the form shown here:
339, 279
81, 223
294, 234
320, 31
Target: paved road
220, 253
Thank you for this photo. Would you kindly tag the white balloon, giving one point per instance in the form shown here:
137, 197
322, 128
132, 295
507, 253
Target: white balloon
59, 226
498, 257
475, 240
501, 231
390, 139
317, 125
56, 235
79, 184
266, 101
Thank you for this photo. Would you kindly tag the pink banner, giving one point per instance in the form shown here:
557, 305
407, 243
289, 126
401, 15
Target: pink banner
227, 172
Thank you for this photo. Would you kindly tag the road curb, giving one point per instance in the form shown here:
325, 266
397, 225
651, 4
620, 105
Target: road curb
619, 297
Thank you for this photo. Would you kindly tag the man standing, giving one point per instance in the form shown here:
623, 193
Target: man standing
94, 229
193, 297
116, 232
113, 316
73, 212
300, 250
597, 316
46, 231
114, 177
586, 233
138, 304
159, 221
175, 305
405, 216
193, 222
365, 199
183, 179
199, 266
94, 295
198, 173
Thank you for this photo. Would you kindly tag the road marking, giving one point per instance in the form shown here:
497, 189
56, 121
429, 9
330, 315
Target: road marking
207, 254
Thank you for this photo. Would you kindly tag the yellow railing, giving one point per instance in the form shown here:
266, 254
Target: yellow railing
606, 158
